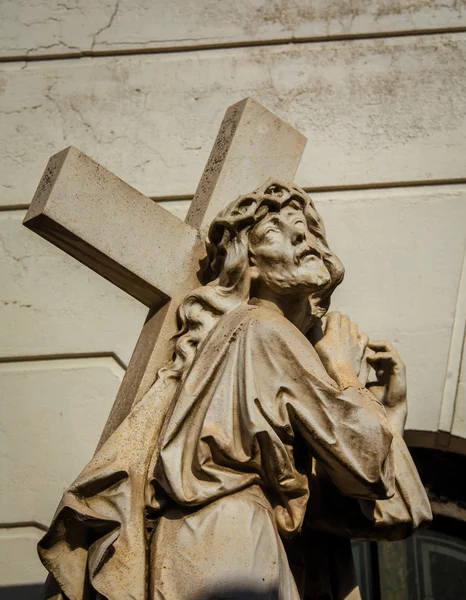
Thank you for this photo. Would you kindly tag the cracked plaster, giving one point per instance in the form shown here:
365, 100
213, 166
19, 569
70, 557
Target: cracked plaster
358, 104
80, 27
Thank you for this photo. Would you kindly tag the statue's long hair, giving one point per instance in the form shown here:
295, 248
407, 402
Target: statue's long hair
225, 274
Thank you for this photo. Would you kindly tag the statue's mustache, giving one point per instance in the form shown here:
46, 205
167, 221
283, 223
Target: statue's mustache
301, 254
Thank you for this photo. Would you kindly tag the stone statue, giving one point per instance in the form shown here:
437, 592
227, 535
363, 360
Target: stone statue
274, 450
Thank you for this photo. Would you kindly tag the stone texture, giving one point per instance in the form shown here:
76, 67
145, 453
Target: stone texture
19, 563
52, 305
52, 415
127, 238
215, 433
455, 381
402, 250
109, 226
252, 145
70, 28
357, 102
67, 309
459, 422
403, 256
392, 99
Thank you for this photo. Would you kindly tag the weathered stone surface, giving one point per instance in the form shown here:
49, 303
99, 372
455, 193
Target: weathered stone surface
459, 422
402, 250
216, 430
71, 28
109, 226
90, 213
357, 102
393, 100
252, 145
52, 415
19, 563
454, 397
52, 305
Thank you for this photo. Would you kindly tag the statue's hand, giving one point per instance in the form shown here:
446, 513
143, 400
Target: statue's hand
340, 347
390, 386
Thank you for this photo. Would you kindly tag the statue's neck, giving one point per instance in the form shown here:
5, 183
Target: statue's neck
295, 309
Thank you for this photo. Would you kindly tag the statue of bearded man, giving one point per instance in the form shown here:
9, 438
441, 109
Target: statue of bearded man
261, 449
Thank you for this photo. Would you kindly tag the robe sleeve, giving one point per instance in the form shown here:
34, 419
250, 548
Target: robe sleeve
364, 483
347, 431
255, 386
391, 519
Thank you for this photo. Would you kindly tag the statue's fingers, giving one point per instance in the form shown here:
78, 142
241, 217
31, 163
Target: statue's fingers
378, 390
354, 330
382, 345
373, 385
333, 321
382, 367
364, 367
381, 357
323, 323
345, 325
363, 340
387, 349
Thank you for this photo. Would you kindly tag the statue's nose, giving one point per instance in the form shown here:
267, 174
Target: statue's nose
298, 237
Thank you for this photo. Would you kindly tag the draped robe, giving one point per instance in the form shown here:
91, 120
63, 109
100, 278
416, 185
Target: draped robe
214, 464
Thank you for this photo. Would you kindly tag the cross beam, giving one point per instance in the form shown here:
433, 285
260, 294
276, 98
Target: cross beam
129, 239
97, 218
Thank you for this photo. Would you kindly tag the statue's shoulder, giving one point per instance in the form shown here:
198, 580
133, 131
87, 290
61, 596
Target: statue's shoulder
257, 319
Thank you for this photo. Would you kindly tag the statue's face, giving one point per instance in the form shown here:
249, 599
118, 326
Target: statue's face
284, 255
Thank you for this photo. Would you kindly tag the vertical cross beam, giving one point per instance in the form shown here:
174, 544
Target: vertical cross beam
128, 239
252, 145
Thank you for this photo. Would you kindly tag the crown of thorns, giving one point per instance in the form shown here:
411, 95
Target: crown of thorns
251, 208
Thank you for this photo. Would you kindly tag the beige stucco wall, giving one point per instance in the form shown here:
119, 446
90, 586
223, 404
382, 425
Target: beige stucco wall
380, 91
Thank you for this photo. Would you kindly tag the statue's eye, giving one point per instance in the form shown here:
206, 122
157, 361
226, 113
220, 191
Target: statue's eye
269, 233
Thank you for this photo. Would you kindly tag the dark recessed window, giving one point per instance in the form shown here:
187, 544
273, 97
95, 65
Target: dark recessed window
430, 565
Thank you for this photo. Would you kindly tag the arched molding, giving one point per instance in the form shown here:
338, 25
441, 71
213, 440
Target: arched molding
435, 440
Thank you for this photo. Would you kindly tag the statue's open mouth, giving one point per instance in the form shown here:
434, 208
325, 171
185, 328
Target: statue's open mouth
307, 253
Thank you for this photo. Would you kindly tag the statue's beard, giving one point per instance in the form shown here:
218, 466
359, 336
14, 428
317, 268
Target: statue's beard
300, 281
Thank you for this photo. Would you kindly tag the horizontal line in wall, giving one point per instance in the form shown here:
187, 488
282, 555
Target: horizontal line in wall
73, 55
76, 355
173, 198
8, 207
310, 190
386, 186
350, 188
22, 524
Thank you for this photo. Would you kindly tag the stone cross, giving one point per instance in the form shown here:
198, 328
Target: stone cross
129, 239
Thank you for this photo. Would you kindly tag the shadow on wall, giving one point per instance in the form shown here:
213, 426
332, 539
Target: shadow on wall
20, 592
